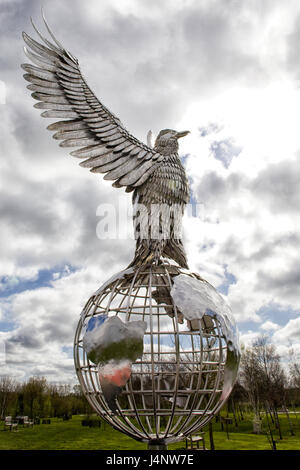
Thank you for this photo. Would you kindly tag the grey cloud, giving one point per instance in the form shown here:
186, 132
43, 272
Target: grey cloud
52, 373
212, 187
27, 337
169, 62
293, 50
275, 187
266, 249
57, 330
147, 70
281, 280
278, 185
34, 213
13, 13
29, 128
30, 213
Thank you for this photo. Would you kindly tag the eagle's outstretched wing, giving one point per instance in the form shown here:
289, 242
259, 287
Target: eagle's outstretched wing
61, 90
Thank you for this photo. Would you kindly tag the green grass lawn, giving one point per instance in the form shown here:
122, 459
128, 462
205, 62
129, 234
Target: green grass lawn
71, 435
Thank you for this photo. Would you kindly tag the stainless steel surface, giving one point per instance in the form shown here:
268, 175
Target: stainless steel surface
154, 175
181, 369
183, 377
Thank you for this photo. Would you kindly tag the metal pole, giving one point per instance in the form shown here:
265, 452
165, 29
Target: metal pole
157, 445
211, 436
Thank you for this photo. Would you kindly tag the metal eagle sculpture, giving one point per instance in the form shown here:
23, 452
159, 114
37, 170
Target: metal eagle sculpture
154, 175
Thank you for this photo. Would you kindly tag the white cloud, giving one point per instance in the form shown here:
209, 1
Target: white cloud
2, 92
45, 322
182, 64
250, 220
269, 326
248, 338
289, 334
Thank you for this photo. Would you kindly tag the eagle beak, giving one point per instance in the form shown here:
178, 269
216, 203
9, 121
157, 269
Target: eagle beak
182, 134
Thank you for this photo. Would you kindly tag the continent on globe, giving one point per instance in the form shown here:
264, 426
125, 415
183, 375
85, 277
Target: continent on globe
113, 345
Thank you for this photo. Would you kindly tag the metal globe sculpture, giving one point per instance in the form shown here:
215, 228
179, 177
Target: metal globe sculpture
189, 358
156, 349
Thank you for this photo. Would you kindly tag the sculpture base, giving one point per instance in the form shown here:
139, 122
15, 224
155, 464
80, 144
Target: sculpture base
157, 445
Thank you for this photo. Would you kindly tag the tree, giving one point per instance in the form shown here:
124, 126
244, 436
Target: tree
272, 377
7, 396
293, 392
264, 380
294, 369
237, 397
34, 391
250, 376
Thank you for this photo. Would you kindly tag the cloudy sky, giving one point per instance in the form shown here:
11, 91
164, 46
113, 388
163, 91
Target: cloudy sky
227, 70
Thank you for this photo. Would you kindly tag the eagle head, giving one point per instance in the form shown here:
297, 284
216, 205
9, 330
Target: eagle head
167, 141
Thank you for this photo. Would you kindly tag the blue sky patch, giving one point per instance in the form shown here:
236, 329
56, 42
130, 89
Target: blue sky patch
7, 326
68, 350
225, 150
213, 127
13, 285
229, 279
277, 314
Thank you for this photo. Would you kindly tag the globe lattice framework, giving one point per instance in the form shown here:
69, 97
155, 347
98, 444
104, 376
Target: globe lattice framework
186, 372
